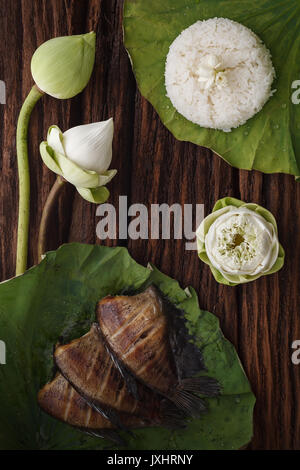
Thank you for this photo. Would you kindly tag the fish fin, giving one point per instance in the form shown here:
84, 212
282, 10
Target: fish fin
187, 356
105, 434
207, 386
129, 379
113, 416
172, 417
187, 402
108, 413
184, 395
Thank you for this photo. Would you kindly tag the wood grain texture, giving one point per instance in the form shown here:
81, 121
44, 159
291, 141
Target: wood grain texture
261, 318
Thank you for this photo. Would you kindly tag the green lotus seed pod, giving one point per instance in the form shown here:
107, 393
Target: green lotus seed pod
61, 67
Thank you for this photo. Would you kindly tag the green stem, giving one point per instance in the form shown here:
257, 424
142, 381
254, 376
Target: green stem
24, 178
50, 203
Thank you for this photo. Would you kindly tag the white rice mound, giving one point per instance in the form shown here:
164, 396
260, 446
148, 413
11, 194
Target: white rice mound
247, 64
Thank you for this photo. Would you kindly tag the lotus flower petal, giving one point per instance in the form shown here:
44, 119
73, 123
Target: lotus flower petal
95, 195
237, 263
106, 177
48, 156
76, 175
55, 139
90, 145
82, 155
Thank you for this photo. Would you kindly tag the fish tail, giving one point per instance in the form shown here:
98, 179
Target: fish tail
184, 396
207, 386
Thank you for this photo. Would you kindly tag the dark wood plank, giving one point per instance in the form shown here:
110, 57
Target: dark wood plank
261, 318
111, 93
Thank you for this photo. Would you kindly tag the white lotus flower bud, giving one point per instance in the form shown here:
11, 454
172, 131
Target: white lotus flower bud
90, 146
239, 242
82, 155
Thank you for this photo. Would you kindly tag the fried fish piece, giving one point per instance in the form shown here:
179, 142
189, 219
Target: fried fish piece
60, 400
149, 338
89, 367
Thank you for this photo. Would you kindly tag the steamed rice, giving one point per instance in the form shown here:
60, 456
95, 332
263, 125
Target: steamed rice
242, 78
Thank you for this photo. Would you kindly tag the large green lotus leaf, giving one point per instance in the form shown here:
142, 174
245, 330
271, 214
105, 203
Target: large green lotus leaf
270, 141
57, 298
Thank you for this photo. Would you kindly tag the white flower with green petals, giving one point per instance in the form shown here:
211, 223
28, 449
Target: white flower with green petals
239, 242
82, 155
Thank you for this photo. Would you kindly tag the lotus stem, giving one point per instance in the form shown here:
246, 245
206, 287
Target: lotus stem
24, 178
48, 208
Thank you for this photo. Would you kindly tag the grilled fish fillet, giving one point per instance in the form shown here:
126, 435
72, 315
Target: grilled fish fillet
148, 337
60, 400
88, 366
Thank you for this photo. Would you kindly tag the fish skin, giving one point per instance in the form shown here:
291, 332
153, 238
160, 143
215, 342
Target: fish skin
60, 400
87, 364
143, 338
124, 321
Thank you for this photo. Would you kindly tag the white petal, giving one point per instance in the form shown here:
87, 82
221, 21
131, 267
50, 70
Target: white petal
221, 79
209, 83
213, 61
90, 145
205, 72
260, 237
55, 138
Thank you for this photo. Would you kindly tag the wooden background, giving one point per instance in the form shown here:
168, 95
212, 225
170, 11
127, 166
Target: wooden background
261, 319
